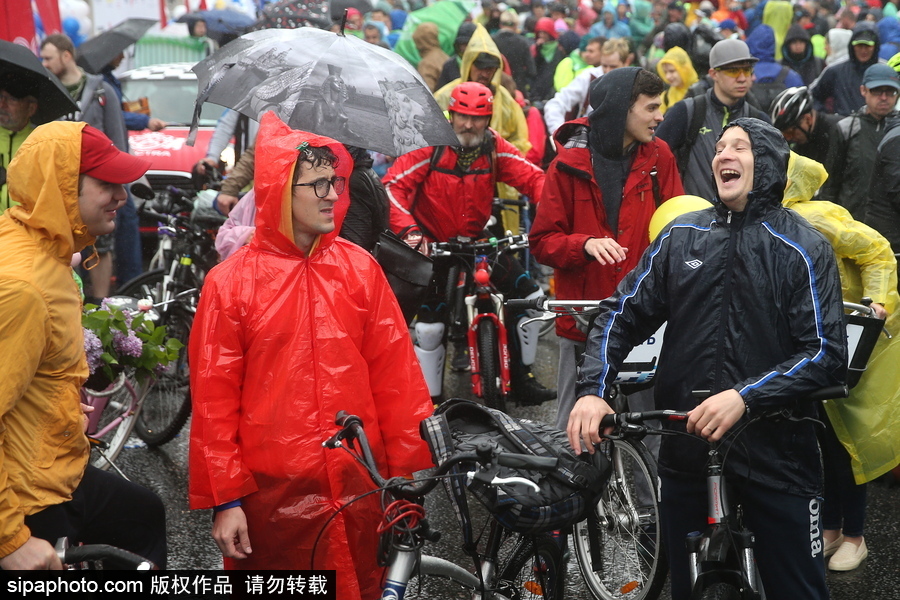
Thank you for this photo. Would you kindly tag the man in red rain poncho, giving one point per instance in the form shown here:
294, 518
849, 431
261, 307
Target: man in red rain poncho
294, 327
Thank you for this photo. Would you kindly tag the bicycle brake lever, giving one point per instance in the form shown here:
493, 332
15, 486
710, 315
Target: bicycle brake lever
543, 317
495, 480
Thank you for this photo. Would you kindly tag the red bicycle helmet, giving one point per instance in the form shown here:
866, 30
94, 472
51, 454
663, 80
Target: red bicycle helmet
472, 98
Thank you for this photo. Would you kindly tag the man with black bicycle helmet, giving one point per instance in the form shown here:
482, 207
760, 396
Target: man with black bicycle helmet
446, 193
808, 130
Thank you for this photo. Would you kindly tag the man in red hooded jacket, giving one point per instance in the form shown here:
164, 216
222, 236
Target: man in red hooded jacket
294, 327
600, 193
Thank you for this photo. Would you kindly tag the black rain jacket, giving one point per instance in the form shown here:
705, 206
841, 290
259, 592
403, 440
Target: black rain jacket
753, 303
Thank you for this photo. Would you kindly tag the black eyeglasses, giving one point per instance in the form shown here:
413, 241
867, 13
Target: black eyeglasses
321, 186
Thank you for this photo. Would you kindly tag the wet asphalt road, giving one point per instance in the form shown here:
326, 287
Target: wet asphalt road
191, 547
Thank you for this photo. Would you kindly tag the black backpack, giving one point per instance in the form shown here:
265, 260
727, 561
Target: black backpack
764, 91
566, 495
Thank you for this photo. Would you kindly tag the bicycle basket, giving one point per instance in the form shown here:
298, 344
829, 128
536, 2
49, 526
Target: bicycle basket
566, 493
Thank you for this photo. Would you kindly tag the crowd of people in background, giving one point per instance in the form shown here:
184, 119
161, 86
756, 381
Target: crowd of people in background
598, 111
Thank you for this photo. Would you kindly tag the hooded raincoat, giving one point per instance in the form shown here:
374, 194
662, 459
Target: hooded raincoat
837, 88
572, 209
866, 422
678, 58
43, 451
282, 341
753, 303
805, 63
508, 119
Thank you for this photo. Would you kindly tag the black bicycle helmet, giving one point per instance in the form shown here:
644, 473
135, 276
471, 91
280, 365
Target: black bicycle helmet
789, 106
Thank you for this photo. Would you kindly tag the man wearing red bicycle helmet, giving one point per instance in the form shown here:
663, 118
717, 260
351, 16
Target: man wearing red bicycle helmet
446, 193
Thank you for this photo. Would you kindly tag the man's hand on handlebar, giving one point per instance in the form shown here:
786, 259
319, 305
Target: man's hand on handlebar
605, 251
225, 203
206, 163
584, 422
35, 554
880, 311
414, 240
716, 415
230, 533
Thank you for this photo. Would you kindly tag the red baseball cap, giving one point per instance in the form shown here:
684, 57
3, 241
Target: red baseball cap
102, 160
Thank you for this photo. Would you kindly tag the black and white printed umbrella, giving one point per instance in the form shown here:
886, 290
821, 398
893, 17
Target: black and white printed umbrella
326, 83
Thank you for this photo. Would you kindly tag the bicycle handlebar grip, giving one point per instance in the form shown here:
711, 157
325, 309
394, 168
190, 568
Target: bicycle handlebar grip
94, 552
829, 393
525, 461
523, 304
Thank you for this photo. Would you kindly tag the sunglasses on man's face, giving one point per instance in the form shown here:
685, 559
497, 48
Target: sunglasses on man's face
321, 186
736, 72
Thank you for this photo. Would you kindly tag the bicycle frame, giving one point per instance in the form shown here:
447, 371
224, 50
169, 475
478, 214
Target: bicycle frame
409, 534
99, 401
486, 303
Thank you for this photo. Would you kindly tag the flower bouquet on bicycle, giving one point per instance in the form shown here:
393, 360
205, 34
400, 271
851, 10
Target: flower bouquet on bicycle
127, 352
471, 280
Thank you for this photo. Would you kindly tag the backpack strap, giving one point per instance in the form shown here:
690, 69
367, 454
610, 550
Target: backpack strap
782, 75
696, 108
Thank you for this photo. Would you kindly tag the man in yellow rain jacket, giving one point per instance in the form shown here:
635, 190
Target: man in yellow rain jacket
67, 179
482, 62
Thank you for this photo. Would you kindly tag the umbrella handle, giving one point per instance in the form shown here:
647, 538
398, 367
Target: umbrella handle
343, 22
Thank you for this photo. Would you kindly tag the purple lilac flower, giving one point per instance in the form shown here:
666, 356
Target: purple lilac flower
128, 345
93, 349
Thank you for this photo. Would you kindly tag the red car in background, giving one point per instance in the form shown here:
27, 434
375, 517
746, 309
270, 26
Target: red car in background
171, 90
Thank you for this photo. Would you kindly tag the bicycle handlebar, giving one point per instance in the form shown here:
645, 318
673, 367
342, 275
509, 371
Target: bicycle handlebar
510, 242
96, 552
352, 429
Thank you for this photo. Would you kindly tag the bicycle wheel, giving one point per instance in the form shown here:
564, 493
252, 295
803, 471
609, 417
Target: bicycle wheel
167, 405
632, 563
119, 405
535, 569
146, 285
489, 365
721, 591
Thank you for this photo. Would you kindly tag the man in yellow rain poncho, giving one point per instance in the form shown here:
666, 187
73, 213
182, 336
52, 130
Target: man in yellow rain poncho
866, 423
482, 62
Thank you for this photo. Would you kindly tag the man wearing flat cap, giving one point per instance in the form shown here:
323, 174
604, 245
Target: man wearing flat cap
691, 126
67, 181
853, 148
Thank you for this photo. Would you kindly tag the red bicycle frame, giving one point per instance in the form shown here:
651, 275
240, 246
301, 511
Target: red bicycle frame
484, 293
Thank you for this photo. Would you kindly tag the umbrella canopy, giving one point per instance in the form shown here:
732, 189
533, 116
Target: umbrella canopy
293, 14
19, 64
333, 85
100, 50
447, 15
222, 25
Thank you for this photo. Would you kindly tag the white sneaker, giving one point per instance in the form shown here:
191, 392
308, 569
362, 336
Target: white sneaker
832, 547
848, 556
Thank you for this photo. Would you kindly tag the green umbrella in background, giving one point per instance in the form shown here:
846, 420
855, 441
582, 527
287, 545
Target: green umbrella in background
447, 15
